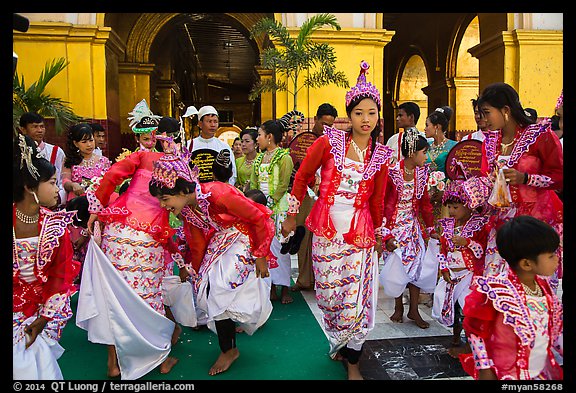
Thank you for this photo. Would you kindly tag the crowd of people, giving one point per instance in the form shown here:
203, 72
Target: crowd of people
199, 234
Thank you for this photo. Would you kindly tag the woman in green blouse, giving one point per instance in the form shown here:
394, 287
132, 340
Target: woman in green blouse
437, 128
244, 163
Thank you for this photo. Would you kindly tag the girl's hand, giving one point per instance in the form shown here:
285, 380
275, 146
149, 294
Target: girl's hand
77, 189
262, 268
288, 225
459, 241
34, 329
183, 273
446, 276
378, 246
93, 220
513, 176
391, 244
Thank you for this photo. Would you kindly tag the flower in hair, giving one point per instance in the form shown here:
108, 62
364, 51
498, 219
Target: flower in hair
560, 101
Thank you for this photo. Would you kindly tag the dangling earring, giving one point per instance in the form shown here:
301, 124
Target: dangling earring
35, 197
506, 117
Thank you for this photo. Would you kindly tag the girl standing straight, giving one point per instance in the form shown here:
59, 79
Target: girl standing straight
271, 174
345, 221
406, 200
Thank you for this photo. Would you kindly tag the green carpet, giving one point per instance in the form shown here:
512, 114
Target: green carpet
290, 346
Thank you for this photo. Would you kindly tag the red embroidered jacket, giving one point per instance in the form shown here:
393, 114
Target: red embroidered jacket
500, 331
329, 152
420, 200
54, 269
221, 206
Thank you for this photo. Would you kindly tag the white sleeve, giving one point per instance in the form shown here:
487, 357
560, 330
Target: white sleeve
232, 179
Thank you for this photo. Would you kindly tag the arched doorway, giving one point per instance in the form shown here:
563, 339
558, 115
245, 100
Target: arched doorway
175, 60
413, 79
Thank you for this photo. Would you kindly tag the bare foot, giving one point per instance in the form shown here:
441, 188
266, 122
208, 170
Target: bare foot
113, 368
273, 293
455, 351
422, 324
167, 365
224, 361
337, 357
113, 371
176, 334
286, 298
354, 372
397, 316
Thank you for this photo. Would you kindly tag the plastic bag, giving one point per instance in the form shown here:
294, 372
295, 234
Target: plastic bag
500, 196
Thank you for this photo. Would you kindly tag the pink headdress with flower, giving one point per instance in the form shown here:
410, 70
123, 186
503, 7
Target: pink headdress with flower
173, 165
454, 192
363, 89
560, 101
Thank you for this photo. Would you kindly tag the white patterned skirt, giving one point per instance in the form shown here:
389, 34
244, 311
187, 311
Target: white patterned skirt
120, 299
226, 286
346, 284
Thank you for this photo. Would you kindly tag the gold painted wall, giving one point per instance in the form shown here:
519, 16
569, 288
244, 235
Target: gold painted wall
83, 82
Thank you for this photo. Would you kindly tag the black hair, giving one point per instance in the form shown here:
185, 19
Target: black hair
555, 122
411, 108
474, 103
256, 195
97, 127
181, 185
533, 114
30, 118
80, 204
441, 117
76, 133
501, 94
421, 144
326, 109
525, 237
222, 166
21, 176
275, 128
252, 131
375, 134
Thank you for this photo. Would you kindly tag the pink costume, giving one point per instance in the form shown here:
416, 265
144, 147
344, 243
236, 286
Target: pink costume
537, 152
42, 275
84, 175
123, 277
511, 332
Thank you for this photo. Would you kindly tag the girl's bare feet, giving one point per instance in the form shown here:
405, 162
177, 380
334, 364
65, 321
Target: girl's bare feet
113, 368
176, 334
397, 316
273, 293
224, 361
167, 365
455, 351
286, 298
415, 316
354, 372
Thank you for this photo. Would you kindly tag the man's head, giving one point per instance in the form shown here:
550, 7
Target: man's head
408, 115
32, 124
99, 135
208, 121
325, 116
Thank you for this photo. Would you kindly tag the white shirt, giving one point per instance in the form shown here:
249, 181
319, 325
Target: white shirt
393, 144
45, 150
478, 135
214, 144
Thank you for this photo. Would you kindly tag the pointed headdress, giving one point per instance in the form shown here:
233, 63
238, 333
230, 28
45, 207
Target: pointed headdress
362, 88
